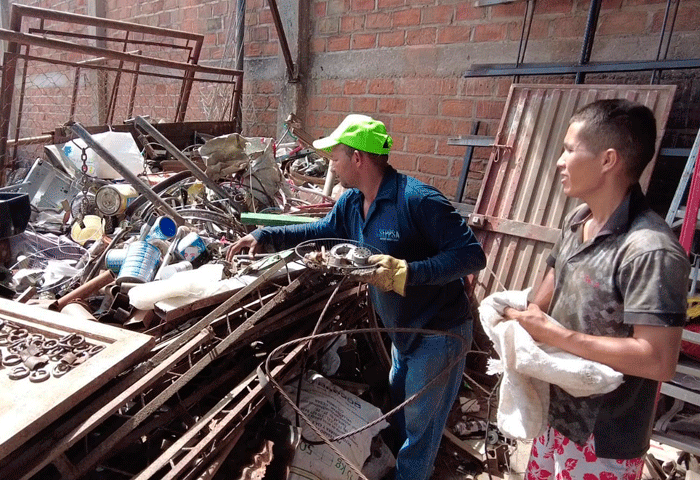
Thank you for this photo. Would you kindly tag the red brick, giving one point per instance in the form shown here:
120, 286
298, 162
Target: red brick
406, 18
381, 86
402, 161
611, 5
419, 2
452, 151
621, 23
382, 4
421, 86
338, 7
553, 6
366, 105
441, 14
265, 16
392, 105
270, 49
503, 85
327, 26
320, 9
422, 36
688, 19
339, 104
329, 120
437, 126
477, 87
331, 87
516, 9
645, 2
447, 186
363, 41
318, 103
539, 29
427, 105
432, 165
351, 24
355, 87
454, 34
318, 45
420, 144
569, 27
467, 11
362, 5
490, 32
376, 21
393, 39
337, 44
409, 125
489, 108
265, 86
259, 34
457, 108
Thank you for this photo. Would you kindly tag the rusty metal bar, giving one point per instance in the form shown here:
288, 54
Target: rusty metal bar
21, 103
9, 71
111, 401
135, 181
101, 38
103, 449
187, 85
103, 279
132, 94
283, 40
143, 124
25, 38
46, 14
255, 395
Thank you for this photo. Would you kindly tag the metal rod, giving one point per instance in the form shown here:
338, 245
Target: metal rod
503, 70
87, 288
588, 37
175, 152
656, 74
135, 181
283, 39
465, 166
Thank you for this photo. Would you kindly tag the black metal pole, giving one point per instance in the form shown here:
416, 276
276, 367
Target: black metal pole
588, 37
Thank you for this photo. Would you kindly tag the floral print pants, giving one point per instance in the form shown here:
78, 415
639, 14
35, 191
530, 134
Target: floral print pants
555, 457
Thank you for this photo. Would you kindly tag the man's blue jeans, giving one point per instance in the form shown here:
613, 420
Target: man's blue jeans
421, 422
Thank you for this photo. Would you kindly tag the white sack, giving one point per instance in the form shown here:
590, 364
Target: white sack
529, 367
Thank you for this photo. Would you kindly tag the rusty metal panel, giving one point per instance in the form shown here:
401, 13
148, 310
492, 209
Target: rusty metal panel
521, 205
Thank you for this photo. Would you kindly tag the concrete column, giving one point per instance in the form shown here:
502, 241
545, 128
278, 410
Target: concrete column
295, 19
98, 78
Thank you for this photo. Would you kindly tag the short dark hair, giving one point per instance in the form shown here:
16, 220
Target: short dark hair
378, 158
628, 127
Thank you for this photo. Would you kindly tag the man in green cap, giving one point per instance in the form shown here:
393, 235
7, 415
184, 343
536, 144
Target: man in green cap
427, 248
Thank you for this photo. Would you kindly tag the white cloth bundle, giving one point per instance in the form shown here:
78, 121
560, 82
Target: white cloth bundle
529, 367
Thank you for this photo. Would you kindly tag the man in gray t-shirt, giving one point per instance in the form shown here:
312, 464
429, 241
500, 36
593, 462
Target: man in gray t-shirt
618, 286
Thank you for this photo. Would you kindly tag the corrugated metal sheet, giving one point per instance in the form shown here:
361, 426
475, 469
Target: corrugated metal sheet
521, 206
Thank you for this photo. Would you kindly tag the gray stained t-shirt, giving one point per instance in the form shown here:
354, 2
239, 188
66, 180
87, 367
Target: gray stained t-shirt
634, 272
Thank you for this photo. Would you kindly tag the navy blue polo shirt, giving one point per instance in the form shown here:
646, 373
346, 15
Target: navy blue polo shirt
412, 221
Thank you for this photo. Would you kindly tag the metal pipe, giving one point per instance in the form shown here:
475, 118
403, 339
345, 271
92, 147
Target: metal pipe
656, 74
102, 280
135, 181
283, 40
588, 37
465, 166
496, 70
175, 152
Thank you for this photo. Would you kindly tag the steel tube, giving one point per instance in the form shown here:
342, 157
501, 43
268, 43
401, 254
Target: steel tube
283, 39
135, 181
179, 156
588, 37
87, 288
502, 70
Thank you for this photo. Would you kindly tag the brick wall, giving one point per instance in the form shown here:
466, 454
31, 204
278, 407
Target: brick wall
402, 61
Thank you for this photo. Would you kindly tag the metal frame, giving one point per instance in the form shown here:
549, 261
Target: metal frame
188, 42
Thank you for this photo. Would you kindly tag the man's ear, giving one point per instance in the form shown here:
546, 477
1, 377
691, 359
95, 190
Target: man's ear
612, 161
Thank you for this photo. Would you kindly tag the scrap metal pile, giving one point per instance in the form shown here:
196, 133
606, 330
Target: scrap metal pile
133, 271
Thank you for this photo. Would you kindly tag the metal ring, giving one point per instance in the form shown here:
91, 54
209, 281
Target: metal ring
82, 347
39, 375
50, 344
75, 340
95, 349
18, 373
17, 335
11, 360
4, 339
61, 369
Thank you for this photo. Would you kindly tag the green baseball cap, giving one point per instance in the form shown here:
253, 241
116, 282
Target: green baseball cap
359, 132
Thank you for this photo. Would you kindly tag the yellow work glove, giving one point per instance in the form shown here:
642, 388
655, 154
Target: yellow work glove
391, 274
